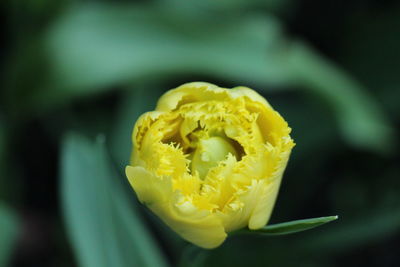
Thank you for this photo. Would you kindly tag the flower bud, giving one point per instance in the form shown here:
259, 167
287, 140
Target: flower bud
209, 160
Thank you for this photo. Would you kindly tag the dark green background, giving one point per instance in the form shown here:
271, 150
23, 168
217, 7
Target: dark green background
76, 74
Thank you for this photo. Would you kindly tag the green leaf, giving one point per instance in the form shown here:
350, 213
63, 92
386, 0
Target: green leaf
8, 234
360, 117
228, 5
104, 229
93, 47
292, 226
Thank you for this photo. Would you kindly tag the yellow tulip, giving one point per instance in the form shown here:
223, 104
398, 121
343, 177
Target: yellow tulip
209, 160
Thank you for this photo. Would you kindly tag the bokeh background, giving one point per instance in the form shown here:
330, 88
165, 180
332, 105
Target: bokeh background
76, 74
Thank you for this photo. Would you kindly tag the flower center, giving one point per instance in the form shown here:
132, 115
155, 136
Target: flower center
209, 152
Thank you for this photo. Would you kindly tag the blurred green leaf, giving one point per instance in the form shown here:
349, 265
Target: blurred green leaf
8, 234
96, 46
105, 230
92, 47
230, 5
291, 227
360, 117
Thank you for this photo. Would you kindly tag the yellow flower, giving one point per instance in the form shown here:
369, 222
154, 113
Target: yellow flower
209, 160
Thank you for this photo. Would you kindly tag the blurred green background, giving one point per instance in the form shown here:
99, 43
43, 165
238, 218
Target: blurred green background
76, 74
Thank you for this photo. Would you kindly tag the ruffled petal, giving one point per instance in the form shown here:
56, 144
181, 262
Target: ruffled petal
190, 93
200, 227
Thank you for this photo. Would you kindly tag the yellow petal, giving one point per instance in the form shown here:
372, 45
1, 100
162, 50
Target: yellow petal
264, 204
199, 227
238, 213
189, 93
151, 190
251, 94
269, 191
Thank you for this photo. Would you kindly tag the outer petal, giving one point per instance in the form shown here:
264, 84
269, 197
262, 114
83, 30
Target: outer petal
269, 191
189, 93
150, 189
199, 227
141, 126
271, 124
201, 91
264, 205
253, 95
236, 215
